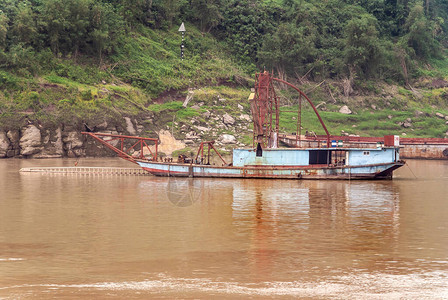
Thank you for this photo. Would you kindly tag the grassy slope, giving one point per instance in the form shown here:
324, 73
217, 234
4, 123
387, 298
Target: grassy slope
377, 113
147, 65
133, 81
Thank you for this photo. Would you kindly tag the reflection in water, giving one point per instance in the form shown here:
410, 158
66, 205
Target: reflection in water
147, 237
327, 217
184, 191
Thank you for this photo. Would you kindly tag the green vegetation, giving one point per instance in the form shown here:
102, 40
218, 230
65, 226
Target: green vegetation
75, 61
368, 122
137, 40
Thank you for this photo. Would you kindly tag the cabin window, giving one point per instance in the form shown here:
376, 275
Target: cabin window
366, 152
319, 157
338, 157
259, 150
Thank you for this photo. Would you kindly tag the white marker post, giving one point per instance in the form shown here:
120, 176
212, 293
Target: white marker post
182, 30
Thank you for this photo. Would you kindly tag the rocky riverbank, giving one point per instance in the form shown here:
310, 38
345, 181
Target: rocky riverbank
38, 141
185, 118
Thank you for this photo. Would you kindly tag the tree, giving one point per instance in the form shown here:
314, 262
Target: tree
418, 33
3, 30
207, 12
154, 13
24, 28
361, 44
105, 29
243, 26
133, 11
290, 49
65, 24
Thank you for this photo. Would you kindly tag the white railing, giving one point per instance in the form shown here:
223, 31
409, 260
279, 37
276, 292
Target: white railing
87, 170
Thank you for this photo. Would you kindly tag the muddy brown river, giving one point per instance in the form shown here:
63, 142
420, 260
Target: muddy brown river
143, 237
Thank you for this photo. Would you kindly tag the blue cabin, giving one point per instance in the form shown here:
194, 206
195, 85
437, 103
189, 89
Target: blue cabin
314, 156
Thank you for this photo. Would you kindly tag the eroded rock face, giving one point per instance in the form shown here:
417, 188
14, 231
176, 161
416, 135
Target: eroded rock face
168, 143
31, 141
72, 140
101, 126
4, 144
52, 143
129, 126
13, 136
73, 143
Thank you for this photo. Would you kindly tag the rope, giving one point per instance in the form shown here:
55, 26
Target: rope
406, 163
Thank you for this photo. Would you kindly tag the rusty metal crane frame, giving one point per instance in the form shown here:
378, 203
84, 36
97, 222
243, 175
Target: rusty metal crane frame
264, 110
121, 151
265, 106
312, 105
210, 146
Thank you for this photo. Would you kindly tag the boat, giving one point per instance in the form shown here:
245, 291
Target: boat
265, 159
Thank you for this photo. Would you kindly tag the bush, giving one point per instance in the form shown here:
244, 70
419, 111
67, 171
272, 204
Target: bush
8, 81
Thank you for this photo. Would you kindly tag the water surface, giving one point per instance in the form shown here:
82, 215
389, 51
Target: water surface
139, 237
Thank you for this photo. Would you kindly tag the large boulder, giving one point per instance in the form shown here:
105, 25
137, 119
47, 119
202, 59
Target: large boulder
31, 141
439, 115
207, 114
202, 128
245, 117
227, 139
228, 119
419, 113
345, 110
407, 124
4, 144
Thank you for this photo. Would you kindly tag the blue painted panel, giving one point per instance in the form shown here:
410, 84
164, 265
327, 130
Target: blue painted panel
165, 167
211, 171
371, 156
278, 157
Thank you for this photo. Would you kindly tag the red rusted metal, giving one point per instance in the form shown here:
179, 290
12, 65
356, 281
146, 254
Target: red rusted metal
299, 122
312, 105
365, 139
421, 148
122, 152
210, 146
424, 141
265, 105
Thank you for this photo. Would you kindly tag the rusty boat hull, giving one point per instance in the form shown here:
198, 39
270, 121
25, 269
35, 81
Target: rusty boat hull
369, 171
